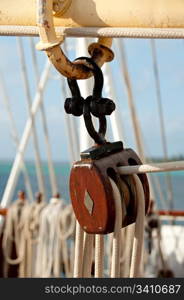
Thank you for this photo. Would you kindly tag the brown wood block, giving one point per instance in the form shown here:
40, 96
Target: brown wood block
91, 191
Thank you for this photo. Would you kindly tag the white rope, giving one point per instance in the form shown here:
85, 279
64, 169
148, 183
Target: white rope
39, 172
15, 135
66, 230
41, 235
162, 123
127, 254
136, 268
130, 97
14, 234
152, 168
84, 243
87, 255
49, 246
31, 228
99, 255
115, 117
108, 253
164, 33
78, 256
73, 148
52, 174
10, 186
135, 121
116, 244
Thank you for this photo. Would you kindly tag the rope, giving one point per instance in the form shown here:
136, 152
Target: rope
71, 130
10, 186
162, 123
115, 266
49, 243
130, 98
99, 255
52, 175
15, 135
39, 172
14, 234
31, 225
152, 168
137, 252
164, 33
115, 117
74, 155
88, 255
78, 256
41, 236
108, 253
65, 232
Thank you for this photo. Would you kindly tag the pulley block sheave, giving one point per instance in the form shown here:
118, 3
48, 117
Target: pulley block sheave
91, 191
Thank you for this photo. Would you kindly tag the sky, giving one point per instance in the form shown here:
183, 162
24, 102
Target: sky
170, 55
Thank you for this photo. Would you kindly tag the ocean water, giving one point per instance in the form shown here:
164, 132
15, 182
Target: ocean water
62, 170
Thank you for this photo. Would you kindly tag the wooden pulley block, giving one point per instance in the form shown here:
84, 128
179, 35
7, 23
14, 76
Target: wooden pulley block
91, 191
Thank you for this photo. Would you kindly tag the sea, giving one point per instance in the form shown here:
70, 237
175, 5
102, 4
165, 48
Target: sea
62, 171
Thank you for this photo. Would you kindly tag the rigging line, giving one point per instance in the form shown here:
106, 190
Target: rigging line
73, 148
136, 124
88, 254
162, 123
153, 168
136, 268
84, 142
71, 130
135, 121
78, 255
52, 174
157, 184
125, 32
24, 139
116, 121
15, 136
99, 255
116, 243
38, 164
130, 98
115, 117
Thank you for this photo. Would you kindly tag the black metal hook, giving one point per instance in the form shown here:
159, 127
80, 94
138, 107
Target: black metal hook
98, 137
74, 88
73, 105
98, 77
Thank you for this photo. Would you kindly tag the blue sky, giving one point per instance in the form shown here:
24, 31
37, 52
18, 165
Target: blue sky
171, 69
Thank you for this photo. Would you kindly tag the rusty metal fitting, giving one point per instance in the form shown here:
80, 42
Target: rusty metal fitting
42, 46
50, 43
97, 50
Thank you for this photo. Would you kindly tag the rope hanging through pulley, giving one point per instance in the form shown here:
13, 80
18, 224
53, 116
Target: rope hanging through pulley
90, 187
